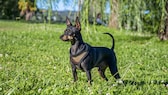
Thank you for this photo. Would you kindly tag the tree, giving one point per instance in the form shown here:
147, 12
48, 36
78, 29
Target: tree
8, 9
27, 8
163, 33
114, 14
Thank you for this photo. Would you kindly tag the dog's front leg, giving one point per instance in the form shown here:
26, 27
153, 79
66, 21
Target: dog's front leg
88, 74
74, 73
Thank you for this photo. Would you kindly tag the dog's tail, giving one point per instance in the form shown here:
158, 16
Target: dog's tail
112, 40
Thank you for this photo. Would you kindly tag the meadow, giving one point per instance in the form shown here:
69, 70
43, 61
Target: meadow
33, 60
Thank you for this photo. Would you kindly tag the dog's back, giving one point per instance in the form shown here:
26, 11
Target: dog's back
102, 53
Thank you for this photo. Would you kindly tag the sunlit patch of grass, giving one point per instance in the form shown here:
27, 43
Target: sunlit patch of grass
33, 60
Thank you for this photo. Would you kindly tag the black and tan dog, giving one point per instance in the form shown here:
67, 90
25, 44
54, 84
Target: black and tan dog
85, 57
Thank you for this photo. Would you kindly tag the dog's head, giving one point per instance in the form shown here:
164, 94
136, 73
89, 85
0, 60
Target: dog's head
71, 32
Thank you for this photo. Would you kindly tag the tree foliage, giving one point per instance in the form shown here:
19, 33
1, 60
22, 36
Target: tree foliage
141, 15
8, 9
22, 5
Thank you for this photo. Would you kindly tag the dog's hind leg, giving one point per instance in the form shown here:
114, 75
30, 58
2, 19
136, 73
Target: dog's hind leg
115, 73
114, 70
102, 73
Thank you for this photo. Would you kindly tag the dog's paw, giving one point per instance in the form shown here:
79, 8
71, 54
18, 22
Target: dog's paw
119, 81
89, 82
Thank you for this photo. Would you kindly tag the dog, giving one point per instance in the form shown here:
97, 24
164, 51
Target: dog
85, 57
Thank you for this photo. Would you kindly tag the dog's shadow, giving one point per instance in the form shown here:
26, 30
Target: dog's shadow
141, 83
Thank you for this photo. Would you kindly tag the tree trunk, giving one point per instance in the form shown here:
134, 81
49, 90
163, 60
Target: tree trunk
163, 35
79, 8
113, 23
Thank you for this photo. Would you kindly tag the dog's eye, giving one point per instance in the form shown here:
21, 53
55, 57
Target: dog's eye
68, 30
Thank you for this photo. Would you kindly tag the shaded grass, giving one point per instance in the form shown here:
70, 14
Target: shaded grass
33, 60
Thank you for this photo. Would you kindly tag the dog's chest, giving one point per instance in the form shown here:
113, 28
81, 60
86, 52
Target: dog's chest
77, 59
79, 54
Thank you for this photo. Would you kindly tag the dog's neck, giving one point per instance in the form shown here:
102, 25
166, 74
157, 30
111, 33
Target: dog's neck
77, 40
77, 43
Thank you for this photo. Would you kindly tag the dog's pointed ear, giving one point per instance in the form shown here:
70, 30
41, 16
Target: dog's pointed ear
68, 22
77, 23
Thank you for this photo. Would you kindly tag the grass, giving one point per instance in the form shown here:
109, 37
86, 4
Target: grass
33, 60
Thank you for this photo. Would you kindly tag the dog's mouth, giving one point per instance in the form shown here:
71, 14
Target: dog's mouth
66, 38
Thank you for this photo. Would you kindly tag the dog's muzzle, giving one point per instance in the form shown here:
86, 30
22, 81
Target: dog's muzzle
66, 37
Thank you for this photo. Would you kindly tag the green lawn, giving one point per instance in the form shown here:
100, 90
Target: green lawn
33, 60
